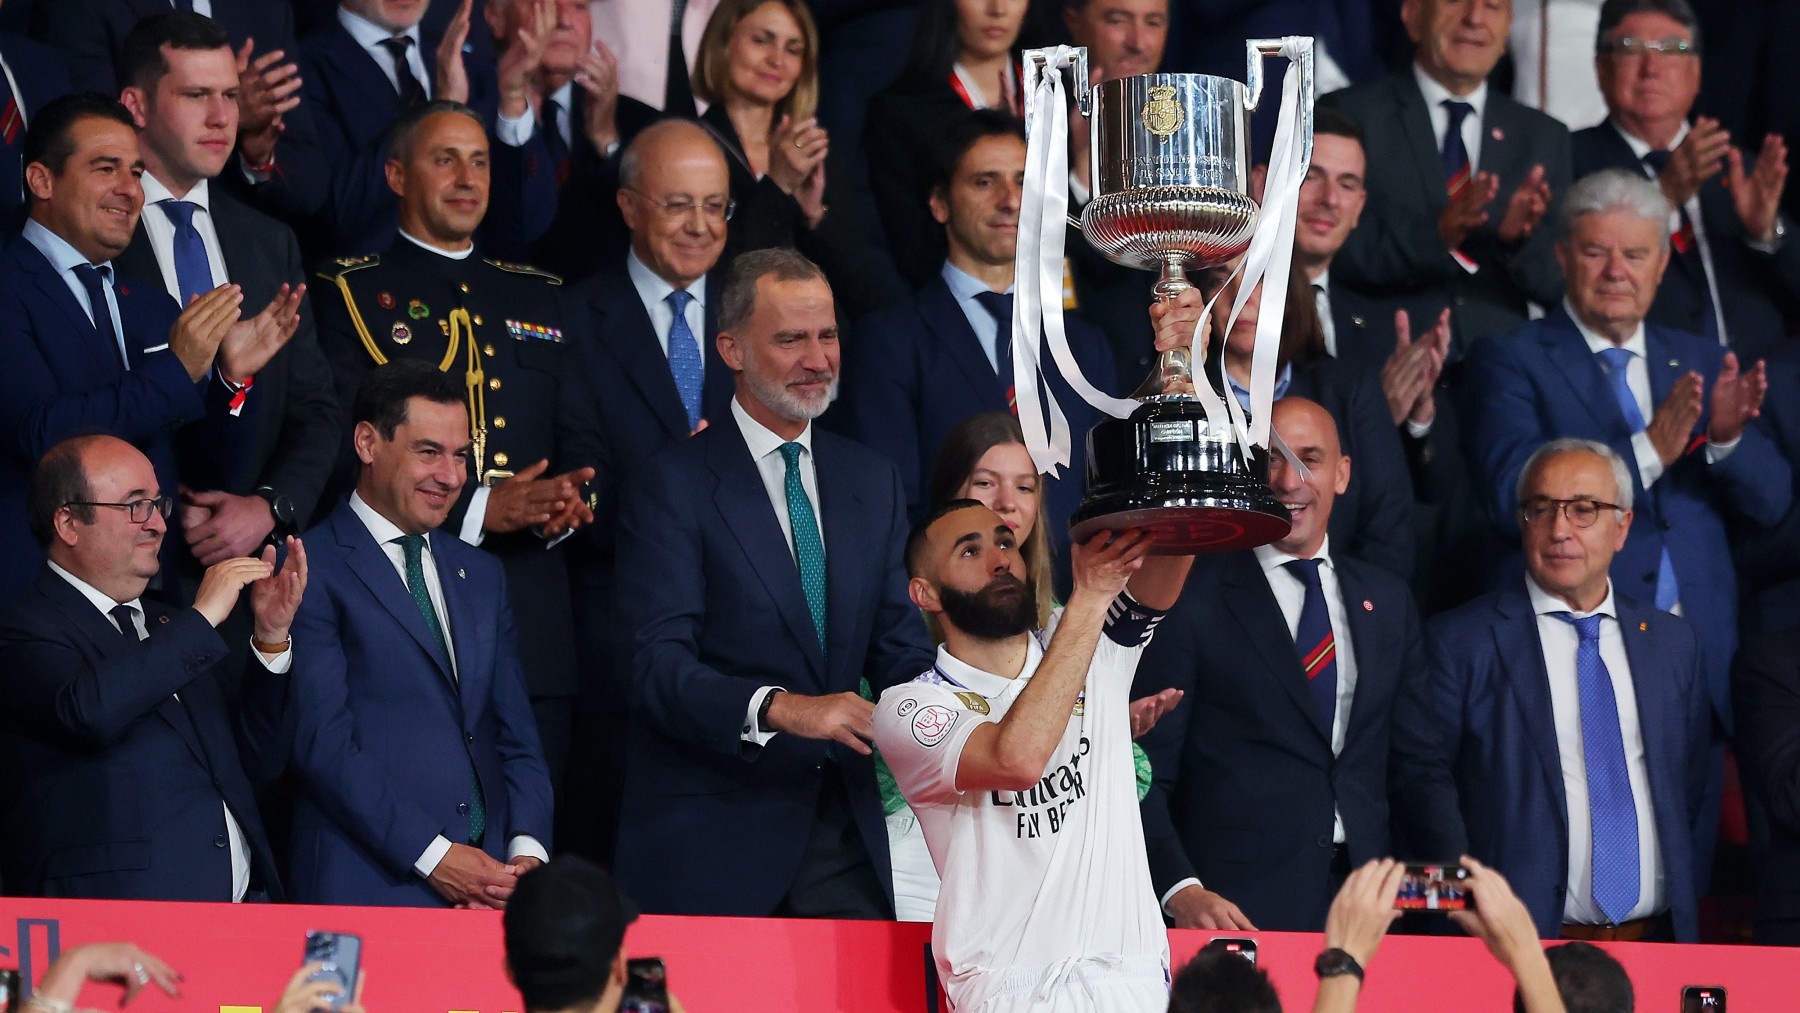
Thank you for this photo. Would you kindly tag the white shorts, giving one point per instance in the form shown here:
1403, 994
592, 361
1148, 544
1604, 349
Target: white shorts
1078, 985
915, 878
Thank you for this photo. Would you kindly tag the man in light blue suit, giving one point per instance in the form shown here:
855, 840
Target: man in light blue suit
421, 780
1562, 734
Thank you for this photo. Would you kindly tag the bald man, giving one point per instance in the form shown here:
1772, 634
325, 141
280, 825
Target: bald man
1271, 774
648, 324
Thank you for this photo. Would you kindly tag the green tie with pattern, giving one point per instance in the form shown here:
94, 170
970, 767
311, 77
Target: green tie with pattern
809, 551
414, 545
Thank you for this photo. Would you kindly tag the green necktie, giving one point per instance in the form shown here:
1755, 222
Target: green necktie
809, 550
414, 546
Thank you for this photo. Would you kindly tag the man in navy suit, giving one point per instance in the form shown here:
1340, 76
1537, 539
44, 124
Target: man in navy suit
1453, 214
31, 74
1562, 735
419, 774
761, 582
1675, 406
1270, 775
1733, 272
922, 366
126, 778
88, 349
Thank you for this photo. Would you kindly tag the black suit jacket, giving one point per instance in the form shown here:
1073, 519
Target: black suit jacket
115, 785
587, 233
41, 76
1755, 289
1396, 256
1370, 521
1766, 689
1245, 782
1768, 558
286, 436
905, 126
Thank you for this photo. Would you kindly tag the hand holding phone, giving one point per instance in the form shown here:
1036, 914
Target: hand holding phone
1434, 888
646, 986
1703, 999
333, 958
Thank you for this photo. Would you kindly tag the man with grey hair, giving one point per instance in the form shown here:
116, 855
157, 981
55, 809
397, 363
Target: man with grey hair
1676, 407
760, 576
1563, 731
1732, 274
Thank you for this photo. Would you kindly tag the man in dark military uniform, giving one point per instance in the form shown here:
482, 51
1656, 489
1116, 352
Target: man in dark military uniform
536, 435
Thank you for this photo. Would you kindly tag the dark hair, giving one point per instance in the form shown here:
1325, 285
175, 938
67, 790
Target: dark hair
962, 449
58, 479
404, 132
382, 397
563, 928
971, 128
1328, 120
738, 302
932, 54
1588, 979
1614, 11
919, 536
1302, 335
142, 62
50, 139
1219, 981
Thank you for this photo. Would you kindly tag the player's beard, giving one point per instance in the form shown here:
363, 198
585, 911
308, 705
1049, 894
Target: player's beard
1005, 608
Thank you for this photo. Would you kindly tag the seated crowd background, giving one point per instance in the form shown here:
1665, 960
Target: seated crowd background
412, 476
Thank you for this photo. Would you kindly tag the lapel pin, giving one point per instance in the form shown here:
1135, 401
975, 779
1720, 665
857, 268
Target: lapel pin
1368, 606
1497, 134
162, 619
1355, 320
1643, 627
1674, 363
460, 574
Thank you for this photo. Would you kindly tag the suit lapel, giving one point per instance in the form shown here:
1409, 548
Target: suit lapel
1254, 606
1367, 644
1658, 722
955, 338
59, 295
1421, 142
742, 500
459, 617
847, 555
625, 329
373, 567
1664, 365
1587, 384
1521, 655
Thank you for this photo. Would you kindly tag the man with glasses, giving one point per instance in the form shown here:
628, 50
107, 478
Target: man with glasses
1675, 406
1733, 272
1563, 731
497, 327
125, 776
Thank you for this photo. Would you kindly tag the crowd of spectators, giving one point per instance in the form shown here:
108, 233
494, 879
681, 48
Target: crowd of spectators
411, 474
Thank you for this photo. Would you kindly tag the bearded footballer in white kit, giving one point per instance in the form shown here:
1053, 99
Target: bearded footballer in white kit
1015, 753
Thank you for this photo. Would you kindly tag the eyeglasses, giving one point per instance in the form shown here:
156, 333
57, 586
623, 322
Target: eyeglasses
683, 207
138, 509
1581, 512
1674, 45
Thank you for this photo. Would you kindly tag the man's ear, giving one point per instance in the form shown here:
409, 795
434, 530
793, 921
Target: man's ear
363, 439
138, 104
924, 595
729, 351
396, 177
940, 207
40, 182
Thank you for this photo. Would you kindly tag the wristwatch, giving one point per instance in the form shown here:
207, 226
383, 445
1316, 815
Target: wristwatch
762, 711
281, 508
1334, 962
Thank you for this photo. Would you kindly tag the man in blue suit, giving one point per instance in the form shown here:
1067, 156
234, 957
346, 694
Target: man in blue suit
88, 350
125, 776
920, 367
420, 778
1563, 733
1593, 369
761, 582
31, 74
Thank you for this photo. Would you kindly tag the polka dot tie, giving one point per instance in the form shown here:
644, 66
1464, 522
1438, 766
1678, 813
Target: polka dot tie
1612, 812
809, 550
414, 547
685, 363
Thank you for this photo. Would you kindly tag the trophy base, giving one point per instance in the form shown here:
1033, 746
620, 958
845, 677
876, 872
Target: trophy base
1162, 470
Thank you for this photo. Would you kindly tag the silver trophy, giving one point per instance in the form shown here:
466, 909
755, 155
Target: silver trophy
1171, 191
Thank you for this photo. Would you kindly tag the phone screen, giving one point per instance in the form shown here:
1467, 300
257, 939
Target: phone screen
339, 953
1245, 948
1703, 999
1434, 888
646, 986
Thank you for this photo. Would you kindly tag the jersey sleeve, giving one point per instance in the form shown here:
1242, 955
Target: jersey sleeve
920, 729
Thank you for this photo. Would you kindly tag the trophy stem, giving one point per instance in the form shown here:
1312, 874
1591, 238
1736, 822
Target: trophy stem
1173, 375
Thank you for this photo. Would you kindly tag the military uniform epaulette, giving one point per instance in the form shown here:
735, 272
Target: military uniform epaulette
526, 269
348, 264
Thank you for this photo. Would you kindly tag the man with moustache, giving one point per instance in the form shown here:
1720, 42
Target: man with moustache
760, 581
496, 327
88, 350
1014, 750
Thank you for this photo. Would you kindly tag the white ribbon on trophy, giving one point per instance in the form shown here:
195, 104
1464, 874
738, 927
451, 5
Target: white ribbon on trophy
1038, 264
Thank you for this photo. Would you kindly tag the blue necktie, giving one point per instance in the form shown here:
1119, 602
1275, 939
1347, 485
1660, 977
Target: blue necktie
1455, 153
94, 280
1617, 362
809, 551
1314, 639
684, 358
1000, 306
1611, 811
414, 546
193, 275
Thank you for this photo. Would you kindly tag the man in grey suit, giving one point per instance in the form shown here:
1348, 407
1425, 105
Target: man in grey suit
1452, 219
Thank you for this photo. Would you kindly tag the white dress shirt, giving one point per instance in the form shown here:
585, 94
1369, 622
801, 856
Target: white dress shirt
65, 259
277, 664
161, 232
1290, 595
654, 291
385, 532
201, 7
1435, 96
1559, 641
1640, 148
765, 450
370, 36
514, 133
965, 287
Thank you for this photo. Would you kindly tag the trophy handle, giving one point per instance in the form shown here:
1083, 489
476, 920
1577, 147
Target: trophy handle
1300, 48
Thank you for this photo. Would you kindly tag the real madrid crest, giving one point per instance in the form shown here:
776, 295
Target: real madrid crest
1162, 115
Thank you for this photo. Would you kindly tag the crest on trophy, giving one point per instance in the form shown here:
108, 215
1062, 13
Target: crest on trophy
1162, 115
